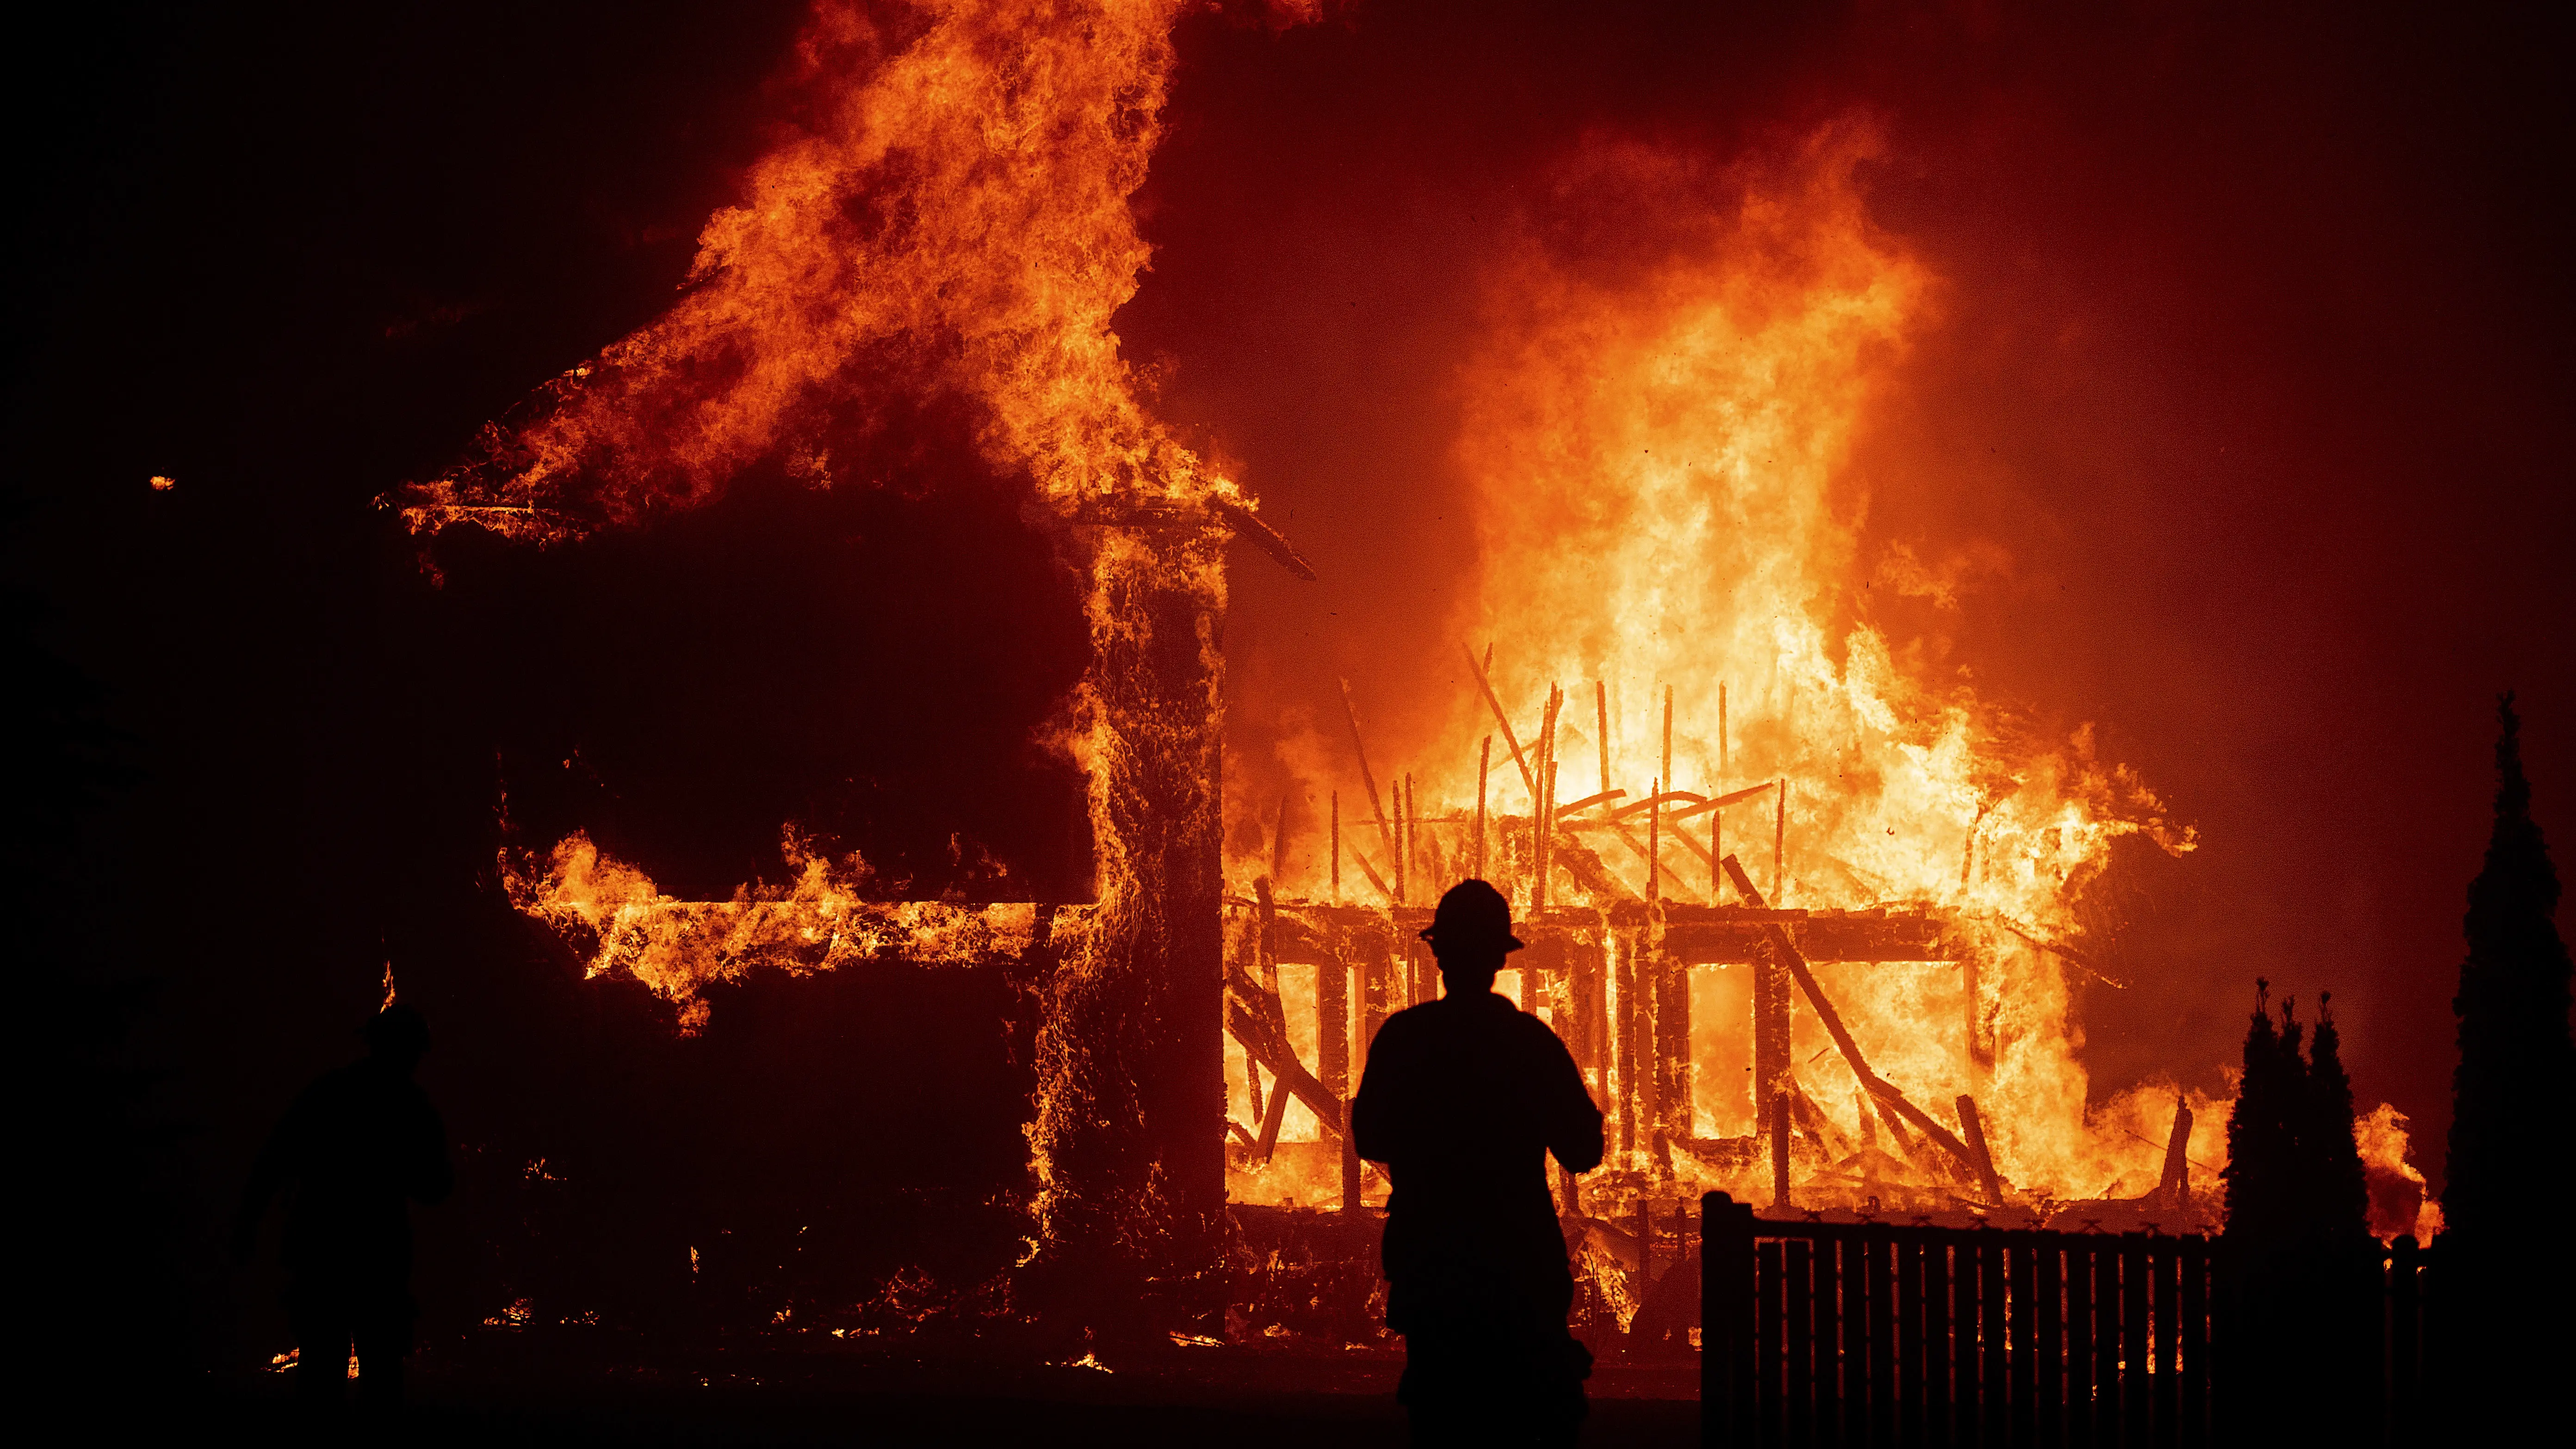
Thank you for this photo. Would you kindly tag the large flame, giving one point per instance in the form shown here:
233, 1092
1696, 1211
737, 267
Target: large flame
1655, 430
951, 217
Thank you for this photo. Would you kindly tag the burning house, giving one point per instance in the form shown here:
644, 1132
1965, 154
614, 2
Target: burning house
1804, 908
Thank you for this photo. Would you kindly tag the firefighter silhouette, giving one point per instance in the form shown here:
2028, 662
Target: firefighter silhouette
1463, 1099
354, 1151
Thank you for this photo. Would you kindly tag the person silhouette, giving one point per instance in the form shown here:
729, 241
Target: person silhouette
352, 1152
1463, 1099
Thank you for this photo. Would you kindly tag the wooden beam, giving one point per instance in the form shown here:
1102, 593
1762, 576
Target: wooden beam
1733, 797
1366, 869
2175, 1186
1386, 835
1279, 837
1512, 742
1484, 762
1661, 798
1982, 1159
1587, 802
1277, 1113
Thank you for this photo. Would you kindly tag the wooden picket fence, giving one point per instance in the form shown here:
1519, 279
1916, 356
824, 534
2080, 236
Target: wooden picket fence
1876, 1333
1884, 1334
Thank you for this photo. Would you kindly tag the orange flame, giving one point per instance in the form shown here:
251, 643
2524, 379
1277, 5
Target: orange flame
952, 218
1656, 429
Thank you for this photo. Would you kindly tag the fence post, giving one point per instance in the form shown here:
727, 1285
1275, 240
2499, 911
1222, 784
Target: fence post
2050, 1366
2195, 1342
2136, 1412
2405, 1339
2080, 1405
1726, 1321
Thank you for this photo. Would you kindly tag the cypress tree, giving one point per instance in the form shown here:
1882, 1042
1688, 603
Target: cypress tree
2260, 1145
2514, 1092
2337, 1209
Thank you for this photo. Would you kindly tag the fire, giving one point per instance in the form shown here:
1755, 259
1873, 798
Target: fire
1655, 430
2400, 1201
951, 219
819, 921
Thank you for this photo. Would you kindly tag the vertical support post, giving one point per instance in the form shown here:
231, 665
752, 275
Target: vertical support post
1375, 968
1543, 818
1666, 760
1403, 837
1337, 847
1601, 732
1279, 841
1350, 1160
1333, 1027
1484, 761
1631, 1081
1772, 1075
2176, 1181
1654, 845
1780, 846
1130, 1093
1979, 1053
1716, 853
1780, 1152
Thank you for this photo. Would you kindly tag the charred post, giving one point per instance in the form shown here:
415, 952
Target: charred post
1129, 1136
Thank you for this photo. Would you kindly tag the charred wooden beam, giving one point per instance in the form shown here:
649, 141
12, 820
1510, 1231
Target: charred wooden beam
1385, 833
1529, 777
1248, 526
1982, 1159
2175, 1186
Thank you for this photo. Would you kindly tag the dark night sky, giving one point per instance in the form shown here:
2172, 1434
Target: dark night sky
2254, 359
